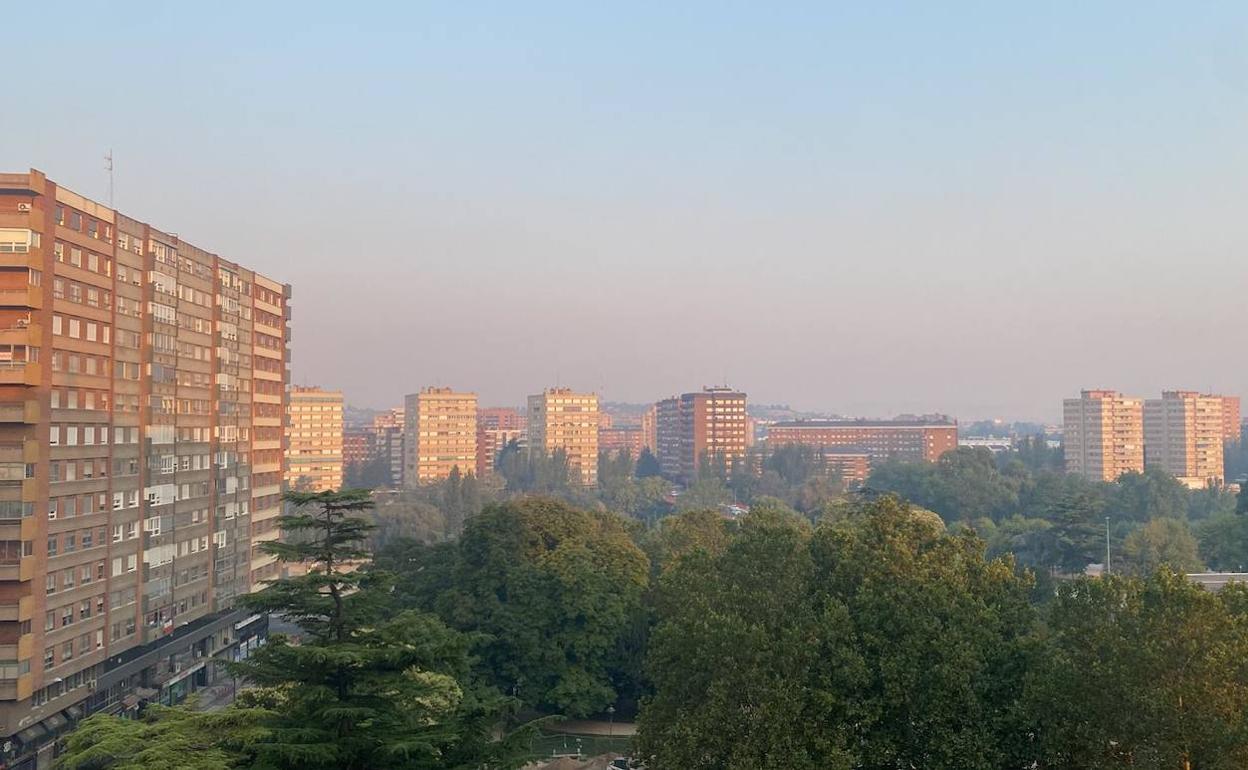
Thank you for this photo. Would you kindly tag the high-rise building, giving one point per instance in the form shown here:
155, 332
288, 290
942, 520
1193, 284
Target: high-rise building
1183, 435
142, 403
621, 438
314, 453
915, 440
705, 426
1232, 426
496, 427
441, 428
649, 429
388, 432
560, 419
357, 447
1103, 434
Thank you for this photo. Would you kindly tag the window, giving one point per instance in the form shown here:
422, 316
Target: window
52, 545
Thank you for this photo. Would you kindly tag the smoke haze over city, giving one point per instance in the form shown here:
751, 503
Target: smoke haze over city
863, 209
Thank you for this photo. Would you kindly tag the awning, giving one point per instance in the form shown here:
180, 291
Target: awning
130, 701
146, 693
74, 712
32, 733
55, 722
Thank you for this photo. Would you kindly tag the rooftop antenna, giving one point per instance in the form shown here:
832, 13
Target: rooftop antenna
108, 166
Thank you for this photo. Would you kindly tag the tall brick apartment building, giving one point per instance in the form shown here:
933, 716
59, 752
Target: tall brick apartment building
142, 402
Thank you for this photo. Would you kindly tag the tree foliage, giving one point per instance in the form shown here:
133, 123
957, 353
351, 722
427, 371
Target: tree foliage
1141, 672
878, 641
551, 593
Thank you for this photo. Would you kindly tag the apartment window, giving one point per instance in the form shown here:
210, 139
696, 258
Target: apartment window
52, 545
49, 660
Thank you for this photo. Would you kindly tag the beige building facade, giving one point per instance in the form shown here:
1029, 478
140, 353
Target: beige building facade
314, 440
1184, 436
441, 435
1103, 434
561, 419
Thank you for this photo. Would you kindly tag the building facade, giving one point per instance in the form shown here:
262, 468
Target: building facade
906, 440
441, 435
562, 420
357, 447
621, 438
707, 426
1184, 435
497, 426
1103, 434
389, 431
142, 405
1232, 424
314, 452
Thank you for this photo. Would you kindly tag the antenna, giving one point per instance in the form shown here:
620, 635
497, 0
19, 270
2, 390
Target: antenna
108, 166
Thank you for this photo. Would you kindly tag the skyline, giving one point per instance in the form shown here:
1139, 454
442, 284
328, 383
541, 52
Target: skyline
858, 210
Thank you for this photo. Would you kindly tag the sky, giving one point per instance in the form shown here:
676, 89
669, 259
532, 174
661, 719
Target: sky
859, 208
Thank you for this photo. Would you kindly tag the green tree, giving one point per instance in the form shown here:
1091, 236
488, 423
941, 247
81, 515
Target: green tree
363, 687
1153, 494
1224, 542
1140, 673
877, 641
165, 739
552, 595
648, 465
1161, 542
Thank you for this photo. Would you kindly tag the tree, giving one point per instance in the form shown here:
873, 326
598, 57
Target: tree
551, 593
648, 465
1140, 672
1161, 542
363, 688
1153, 494
164, 739
1224, 542
876, 641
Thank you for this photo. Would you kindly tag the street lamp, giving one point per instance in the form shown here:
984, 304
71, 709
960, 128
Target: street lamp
610, 721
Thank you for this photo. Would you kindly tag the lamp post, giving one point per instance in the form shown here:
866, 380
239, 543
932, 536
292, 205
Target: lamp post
610, 721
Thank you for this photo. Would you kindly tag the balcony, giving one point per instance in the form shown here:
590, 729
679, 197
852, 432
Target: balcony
20, 411
9, 612
30, 296
20, 373
22, 333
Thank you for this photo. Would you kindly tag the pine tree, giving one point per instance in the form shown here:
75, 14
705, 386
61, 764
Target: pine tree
360, 689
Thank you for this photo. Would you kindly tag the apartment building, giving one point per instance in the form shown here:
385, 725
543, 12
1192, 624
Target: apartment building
389, 430
357, 447
649, 429
496, 428
621, 438
560, 419
1184, 435
1103, 434
142, 401
707, 426
440, 435
1232, 425
314, 454
919, 440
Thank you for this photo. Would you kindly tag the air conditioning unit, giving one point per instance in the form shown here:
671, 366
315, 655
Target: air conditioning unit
23, 207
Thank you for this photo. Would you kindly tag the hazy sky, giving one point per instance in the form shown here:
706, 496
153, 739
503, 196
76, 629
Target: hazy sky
871, 208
